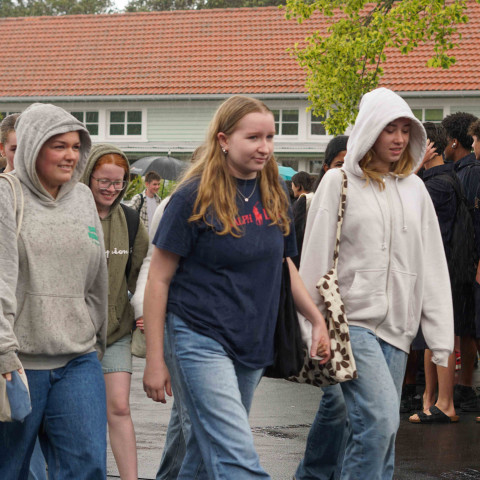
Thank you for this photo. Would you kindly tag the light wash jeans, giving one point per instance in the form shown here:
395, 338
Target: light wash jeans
174, 449
217, 394
371, 403
69, 407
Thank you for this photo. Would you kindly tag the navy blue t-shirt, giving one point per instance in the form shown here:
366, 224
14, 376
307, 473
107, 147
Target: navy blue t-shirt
227, 288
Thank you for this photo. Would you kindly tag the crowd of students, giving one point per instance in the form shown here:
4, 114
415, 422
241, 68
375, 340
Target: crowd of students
206, 294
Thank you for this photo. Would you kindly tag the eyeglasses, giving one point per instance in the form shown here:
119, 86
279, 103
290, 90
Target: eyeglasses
104, 183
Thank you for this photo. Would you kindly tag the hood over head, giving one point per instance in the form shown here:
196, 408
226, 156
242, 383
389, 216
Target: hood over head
98, 151
34, 127
377, 109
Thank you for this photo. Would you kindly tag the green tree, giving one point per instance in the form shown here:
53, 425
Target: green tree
345, 61
158, 5
28, 8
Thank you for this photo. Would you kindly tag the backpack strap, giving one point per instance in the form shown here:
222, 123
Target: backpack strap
17, 206
142, 201
133, 220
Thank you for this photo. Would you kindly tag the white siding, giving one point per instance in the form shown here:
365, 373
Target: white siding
179, 121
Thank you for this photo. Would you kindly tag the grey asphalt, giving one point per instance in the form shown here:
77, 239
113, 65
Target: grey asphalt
280, 419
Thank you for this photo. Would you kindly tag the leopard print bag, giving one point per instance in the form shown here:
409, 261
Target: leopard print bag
341, 367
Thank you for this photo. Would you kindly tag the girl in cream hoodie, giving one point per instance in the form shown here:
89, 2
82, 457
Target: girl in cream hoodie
392, 277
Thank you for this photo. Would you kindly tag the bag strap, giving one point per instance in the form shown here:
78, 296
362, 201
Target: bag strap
341, 212
17, 206
133, 220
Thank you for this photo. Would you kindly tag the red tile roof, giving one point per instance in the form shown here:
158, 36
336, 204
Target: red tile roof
221, 51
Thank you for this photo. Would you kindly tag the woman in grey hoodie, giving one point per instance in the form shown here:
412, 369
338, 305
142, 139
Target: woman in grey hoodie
53, 306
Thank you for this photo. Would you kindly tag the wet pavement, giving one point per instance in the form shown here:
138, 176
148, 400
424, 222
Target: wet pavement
280, 419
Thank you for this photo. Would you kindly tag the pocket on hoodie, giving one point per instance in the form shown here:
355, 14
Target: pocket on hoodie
54, 325
402, 301
366, 298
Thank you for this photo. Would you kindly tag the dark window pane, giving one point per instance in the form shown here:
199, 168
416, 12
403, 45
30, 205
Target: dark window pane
290, 116
290, 129
116, 129
418, 113
92, 128
117, 117
134, 117
434, 115
78, 115
92, 117
318, 129
134, 129
276, 115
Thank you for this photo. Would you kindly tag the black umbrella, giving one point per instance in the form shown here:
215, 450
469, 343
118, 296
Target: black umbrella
168, 168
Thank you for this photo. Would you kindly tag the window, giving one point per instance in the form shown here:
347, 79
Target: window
286, 122
316, 127
126, 122
434, 115
90, 119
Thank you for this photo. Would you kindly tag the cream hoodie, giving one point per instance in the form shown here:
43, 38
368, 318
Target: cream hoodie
392, 269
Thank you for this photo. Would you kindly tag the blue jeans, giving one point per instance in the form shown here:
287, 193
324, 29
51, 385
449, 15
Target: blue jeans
69, 416
38, 465
217, 393
371, 404
174, 449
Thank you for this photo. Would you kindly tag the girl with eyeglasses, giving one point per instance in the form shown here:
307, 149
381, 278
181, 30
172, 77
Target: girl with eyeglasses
107, 174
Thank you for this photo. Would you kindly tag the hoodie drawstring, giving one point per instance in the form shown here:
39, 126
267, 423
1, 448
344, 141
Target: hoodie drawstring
404, 223
384, 221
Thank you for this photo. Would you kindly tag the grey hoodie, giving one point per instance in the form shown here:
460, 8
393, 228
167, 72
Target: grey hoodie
392, 269
53, 278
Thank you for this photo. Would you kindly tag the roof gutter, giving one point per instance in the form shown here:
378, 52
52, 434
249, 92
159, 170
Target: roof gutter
441, 94
148, 98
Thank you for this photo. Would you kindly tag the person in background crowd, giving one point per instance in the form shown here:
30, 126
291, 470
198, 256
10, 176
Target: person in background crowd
474, 132
53, 316
302, 188
467, 168
8, 140
334, 157
107, 174
392, 275
291, 194
146, 203
440, 180
221, 239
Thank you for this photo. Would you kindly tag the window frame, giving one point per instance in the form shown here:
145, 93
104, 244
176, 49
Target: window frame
281, 122
125, 136
84, 113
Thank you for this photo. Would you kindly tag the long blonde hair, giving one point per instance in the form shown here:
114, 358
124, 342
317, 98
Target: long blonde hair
402, 167
216, 196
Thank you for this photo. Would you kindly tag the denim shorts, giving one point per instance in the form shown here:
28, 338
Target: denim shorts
118, 356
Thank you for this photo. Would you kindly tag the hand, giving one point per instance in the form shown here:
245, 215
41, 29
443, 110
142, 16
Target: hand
156, 381
320, 341
139, 324
430, 153
8, 376
477, 277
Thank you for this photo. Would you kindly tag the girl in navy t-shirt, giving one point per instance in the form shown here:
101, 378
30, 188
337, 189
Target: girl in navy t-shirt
214, 285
